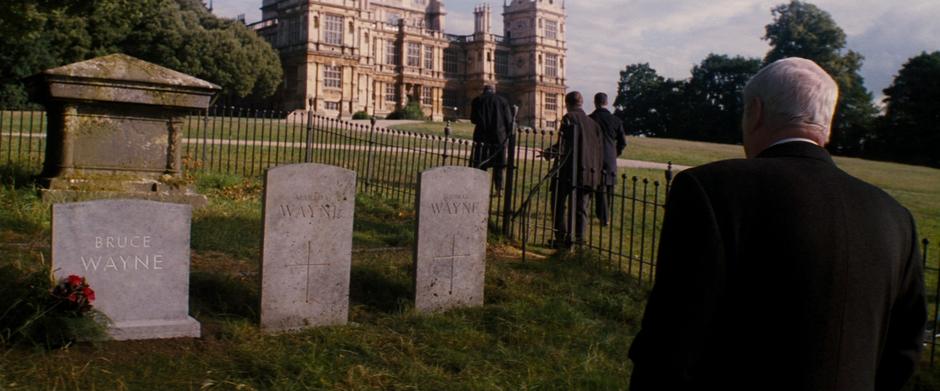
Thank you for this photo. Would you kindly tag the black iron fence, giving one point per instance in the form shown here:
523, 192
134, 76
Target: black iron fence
244, 142
22, 138
932, 337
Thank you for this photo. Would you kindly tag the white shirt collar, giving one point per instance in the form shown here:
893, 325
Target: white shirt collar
792, 139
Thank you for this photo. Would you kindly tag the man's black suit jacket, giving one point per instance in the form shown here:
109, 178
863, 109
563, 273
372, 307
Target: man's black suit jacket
782, 273
614, 142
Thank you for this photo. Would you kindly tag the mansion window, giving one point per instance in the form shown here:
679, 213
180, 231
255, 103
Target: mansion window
551, 29
552, 125
333, 34
391, 93
551, 65
450, 61
391, 53
502, 64
551, 102
295, 29
332, 106
429, 57
414, 54
332, 77
427, 97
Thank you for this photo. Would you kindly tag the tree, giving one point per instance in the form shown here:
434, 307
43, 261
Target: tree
639, 94
801, 29
911, 126
178, 34
715, 96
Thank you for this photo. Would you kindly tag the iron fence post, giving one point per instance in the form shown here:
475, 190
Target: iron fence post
510, 151
446, 137
369, 153
308, 155
668, 176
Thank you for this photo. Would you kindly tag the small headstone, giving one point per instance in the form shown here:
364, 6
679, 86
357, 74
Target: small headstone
135, 255
453, 210
307, 246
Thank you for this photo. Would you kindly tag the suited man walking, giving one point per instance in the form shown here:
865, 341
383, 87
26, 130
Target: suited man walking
614, 142
580, 163
492, 116
781, 271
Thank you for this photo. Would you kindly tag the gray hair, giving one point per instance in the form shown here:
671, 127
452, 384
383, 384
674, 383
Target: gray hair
794, 91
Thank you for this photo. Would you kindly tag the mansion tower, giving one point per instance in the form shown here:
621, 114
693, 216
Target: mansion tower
346, 56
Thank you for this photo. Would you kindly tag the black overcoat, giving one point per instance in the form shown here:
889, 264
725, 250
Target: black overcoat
492, 116
614, 142
782, 273
590, 149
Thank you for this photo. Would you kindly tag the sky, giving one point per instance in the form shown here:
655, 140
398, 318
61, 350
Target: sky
673, 35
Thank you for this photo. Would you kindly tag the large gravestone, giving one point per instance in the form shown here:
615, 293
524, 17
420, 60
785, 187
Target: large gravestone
115, 129
135, 255
307, 246
453, 209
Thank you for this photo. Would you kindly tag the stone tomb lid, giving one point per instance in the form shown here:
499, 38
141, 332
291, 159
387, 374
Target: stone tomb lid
122, 78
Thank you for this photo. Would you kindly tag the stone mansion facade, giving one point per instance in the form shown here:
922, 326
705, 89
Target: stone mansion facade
345, 56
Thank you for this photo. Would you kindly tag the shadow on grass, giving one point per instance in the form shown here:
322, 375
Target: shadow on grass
383, 223
372, 231
238, 236
378, 291
223, 296
18, 176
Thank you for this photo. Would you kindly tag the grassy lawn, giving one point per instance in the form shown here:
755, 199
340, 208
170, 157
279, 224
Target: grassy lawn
561, 322
917, 188
461, 129
556, 323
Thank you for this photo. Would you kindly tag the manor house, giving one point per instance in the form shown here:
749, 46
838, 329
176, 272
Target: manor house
345, 56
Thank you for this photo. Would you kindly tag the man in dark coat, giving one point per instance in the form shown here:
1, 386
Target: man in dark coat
614, 142
492, 116
580, 170
781, 271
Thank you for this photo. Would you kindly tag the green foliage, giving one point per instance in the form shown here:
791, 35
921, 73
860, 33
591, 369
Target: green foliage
411, 111
359, 115
801, 29
178, 34
31, 316
911, 127
715, 93
638, 100
707, 107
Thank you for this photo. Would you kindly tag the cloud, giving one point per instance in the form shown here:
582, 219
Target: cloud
606, 35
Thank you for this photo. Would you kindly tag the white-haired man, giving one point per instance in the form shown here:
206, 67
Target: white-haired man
781, 271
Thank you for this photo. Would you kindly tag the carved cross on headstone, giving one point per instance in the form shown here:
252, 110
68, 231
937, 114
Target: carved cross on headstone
308, 264
450, 260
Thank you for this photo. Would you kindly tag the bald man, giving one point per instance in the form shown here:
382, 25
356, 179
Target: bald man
781, 271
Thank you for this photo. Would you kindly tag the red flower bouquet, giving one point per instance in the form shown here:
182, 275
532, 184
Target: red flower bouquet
74, 294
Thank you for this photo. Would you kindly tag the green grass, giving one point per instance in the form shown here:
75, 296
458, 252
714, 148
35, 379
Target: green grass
560, 323
460, 129
564, 322
916, 187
